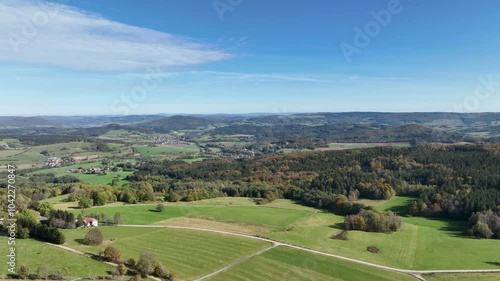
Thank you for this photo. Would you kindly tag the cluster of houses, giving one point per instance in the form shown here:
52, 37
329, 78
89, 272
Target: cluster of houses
95, 170
91, 170
168, 140
56, 161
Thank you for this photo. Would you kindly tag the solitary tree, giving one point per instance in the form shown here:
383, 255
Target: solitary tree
117, 219
160, 207
94, 237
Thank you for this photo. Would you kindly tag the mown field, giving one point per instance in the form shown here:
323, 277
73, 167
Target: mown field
292, 265
464, 277
34, 254
251, 214
422, 243
166, 149
188, 254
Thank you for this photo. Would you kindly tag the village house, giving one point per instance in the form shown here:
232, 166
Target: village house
90, 222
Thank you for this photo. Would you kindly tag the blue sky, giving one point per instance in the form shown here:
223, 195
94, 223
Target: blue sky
70, 57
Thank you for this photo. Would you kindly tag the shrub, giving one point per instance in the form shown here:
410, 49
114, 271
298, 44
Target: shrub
94, 237
117, 219
62, 274
136, 277
373, 249
481, 230
112, 254
43, 271
85, 203
121, 269
131, 262
290, 228
159, 271
146, 264
24, 272
485, 225
344, 235
160, 207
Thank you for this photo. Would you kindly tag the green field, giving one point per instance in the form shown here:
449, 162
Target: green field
88, 178
57, 200
34, 254
288, 264
166, 149
253, 215
104, 179
342, 146
464, 277
192, 160
116, 134
31, 156
422, 243
188, 254
8, 140
398, 204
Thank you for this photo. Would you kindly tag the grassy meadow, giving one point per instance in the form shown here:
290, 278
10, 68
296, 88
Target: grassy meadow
160, 150
463, 277
287, 264
276, 218
34, 254
31, 157
88, 178
422, 243
188, 254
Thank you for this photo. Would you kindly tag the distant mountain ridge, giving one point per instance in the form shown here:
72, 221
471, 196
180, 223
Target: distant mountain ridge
451, 122
17, 122
174, 123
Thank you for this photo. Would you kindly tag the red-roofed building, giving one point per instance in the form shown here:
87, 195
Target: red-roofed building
90, 222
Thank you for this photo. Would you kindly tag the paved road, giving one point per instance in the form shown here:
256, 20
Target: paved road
415, 273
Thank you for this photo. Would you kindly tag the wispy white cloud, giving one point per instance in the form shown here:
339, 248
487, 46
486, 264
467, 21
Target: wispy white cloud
229, 77
373, 78
39, 32
262, 76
